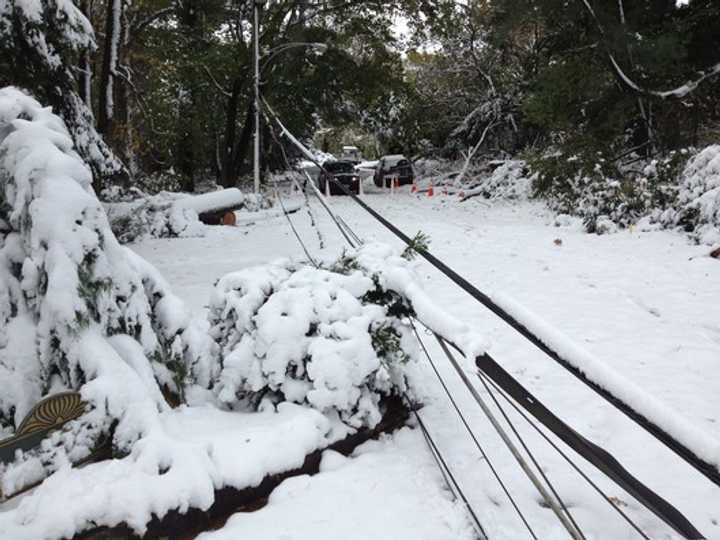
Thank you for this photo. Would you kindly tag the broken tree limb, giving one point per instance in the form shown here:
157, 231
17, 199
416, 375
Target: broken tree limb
473, 151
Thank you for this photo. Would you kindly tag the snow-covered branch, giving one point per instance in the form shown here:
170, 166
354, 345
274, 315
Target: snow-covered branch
679, 92
474, 150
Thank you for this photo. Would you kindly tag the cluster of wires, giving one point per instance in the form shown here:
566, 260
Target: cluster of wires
496, 389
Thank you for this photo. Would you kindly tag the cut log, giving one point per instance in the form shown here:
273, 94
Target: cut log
213, 208
229, 219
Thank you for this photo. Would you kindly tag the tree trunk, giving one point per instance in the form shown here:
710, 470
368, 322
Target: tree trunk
85, 75
106, 98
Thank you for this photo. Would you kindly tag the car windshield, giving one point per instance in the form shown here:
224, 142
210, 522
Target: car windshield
336, 167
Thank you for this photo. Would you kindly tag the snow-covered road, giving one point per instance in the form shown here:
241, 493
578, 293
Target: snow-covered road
647, 303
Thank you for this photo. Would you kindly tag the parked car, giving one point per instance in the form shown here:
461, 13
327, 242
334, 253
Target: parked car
343, 172
395, 166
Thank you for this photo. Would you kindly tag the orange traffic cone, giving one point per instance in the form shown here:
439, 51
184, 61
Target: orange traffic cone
431, 191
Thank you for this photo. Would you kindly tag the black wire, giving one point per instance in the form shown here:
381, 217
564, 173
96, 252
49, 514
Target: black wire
472, 435
435, 451
444, 467
532, 457
704, 467
350, 231
268, 111
294, 230
569, 460
307, 200
455, 364
425, 255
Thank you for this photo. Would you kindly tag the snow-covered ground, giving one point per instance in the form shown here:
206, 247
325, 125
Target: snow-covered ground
647, 303
388, 489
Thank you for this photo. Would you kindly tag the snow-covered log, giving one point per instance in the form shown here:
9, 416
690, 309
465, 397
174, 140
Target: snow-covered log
152, 216
212, 207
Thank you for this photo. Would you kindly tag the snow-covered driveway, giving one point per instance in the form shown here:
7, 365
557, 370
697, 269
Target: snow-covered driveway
648, 304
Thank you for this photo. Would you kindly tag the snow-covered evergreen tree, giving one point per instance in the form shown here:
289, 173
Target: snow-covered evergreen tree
41, 40
698, 205
77, 310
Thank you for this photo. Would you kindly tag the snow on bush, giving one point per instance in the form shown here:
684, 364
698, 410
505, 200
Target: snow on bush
336, 339
331, 339
77, 310
698, 203
606, 197
509, 181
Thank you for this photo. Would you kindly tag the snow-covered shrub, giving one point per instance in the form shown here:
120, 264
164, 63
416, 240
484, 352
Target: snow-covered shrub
334, 339
509, 181
77, 310
698, 203
167, 180
153, 216
594, 189
429, 168
254, 202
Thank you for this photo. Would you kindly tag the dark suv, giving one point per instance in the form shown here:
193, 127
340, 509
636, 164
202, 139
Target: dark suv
395, 166
341, 171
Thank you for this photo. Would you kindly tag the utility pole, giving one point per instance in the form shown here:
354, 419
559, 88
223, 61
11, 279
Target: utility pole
319, 47
256, 60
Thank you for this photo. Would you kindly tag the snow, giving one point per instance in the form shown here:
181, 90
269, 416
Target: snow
81, 312
597, 371
156, 216
97, 318
700, 194
184, 456
642, 301
509, 181
113, 61
267, 214
308, 335
207, 202
342, 501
